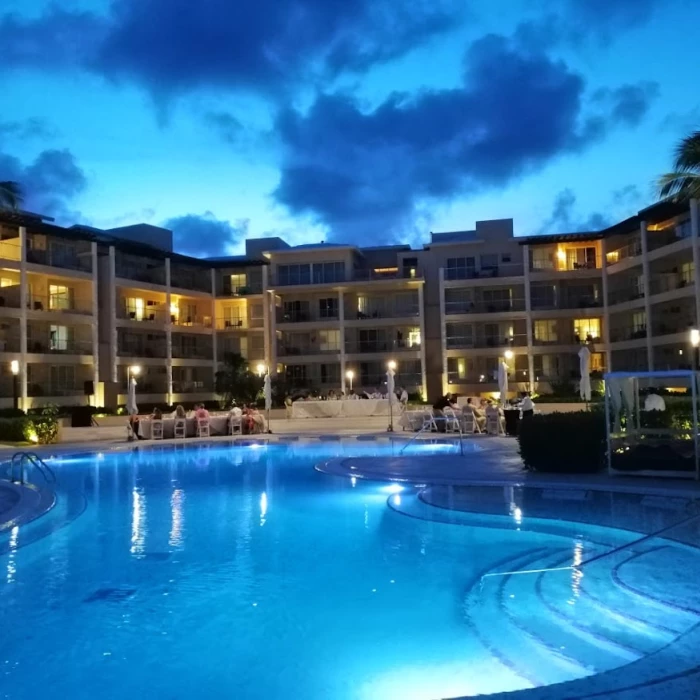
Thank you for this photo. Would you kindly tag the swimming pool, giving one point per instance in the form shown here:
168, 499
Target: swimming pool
222, 571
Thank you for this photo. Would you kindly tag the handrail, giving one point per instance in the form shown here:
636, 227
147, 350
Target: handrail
19, 458
426, 424
597, 557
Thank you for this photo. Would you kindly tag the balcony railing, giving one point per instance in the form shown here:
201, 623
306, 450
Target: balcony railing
241, 291
292, 349
483, 341
368, 275
197, 280
58, 346
377, 380
66, 259
484, 307
629, 250
149, 314
484, 272
661, 328
60, 304
193, 386
192, 352
374, 346
182, 321
620, 296
623, 333
385, 311
232, 323
37, 389
566, 339
9, 344
669, 282
545, 264
668, 236
10, 249
150, 275
149, 350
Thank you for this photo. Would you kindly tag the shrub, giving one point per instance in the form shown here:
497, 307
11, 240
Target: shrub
41, 430
13, 429
563, 442
45, 426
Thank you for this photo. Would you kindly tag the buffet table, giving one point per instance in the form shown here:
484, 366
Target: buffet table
360, 408
218, 425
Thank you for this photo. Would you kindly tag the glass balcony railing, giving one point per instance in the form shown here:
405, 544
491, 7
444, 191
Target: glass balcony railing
620, 296
629, 250
60, 256
624, 333
38, 389
150, 275
192, 352
380, 345
232, 323
9, 343
291, 349
484, 307
58, 346
150, 349
10, 249
60, 304
485, 341
484, 272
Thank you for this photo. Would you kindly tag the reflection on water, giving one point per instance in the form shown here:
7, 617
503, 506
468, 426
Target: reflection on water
138, 521
177, 518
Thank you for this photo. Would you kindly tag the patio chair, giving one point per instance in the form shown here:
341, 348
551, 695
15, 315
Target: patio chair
203, 427
429, 421
451, 421
235, 424
469, 424
156, 429
494, 422
180, 428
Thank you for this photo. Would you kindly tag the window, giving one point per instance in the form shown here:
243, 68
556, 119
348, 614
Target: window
414, 338
410, 267
597, 363
296, 311
295, 373
505, 257
256, 311
459, 335
330, 374
238, 282
639, 321
328, 308
546, 331
687, 273
542, 258
458, 301
7, 282
135, 308
58, 338
327, 272
233, 317
329, 341
294, 274
489, 261
581, 258
460, 268
62, 377
497, 300
406, 304
587, 329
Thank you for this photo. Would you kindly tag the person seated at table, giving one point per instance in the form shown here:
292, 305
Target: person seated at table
332, 396
201, 412
179, 412
157, 414
527, 406
479, 414
236, 411
439, 411
258, 421
352, 396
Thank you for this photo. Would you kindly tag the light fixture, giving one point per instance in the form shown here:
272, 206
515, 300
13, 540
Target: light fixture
561, 255
695, 337
14, 367
509, 354
350, 374
261, 369
135, 370
391, 364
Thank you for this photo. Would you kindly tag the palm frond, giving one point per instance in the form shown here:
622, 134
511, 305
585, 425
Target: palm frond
687, 154
10, 195
681, 185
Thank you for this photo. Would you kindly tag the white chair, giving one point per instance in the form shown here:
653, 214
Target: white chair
451, 421
235, 424
180, 428
468, 423
494, 424
429, 421
156, 429
203, 427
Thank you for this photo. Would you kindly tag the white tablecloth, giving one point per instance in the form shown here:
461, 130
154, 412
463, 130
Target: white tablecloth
359, 408
218, 425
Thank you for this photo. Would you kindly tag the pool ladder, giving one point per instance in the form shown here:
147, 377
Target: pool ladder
431, 422
597, 557
21, 460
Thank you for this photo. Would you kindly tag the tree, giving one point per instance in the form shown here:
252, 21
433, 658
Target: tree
10, 195
236, 382
684, 181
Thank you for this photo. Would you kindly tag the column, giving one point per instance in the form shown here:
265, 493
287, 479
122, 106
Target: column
341, 323
214, 339
647, 299
443, 328
95, 326
266, 316
528, 316
606, 309
24, 300
112, 315
168, 336
695, 236
273, 333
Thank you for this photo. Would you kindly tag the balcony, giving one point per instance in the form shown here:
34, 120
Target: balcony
9, 343
565, 339
625, 333
467, 341
378, 275
193, 279
138, 269
192, 351
661, 283
620, 296
292, 349
486, 272
60, 304
194, 386
10, 249
629, 250
232, 323
58, 346
484, 307
387, 310
38, 389
191, 322
379, 346
303, 316
59, 254
144, 349
662, 237
228, 290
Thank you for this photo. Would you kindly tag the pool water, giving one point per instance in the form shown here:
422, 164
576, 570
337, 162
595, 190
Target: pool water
221, 571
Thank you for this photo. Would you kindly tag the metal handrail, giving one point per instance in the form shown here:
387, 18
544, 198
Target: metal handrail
427, 424
20, 458
597, 557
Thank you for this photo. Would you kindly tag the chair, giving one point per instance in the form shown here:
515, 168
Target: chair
235, 424
203, 427
429, 421
156, 429
451, 421
469, 424
180, 428
494, 424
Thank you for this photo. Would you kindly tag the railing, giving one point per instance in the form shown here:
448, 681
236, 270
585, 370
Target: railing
36, 389
623, 333
374, 346
60, 304
630, 250
191, 321
58, 346
664, 329
484, 307
150, 275
149, 314
193, 387
565, 339
19, 463
189, 352
386, 311
10, 344
668, 236
669, 282
483, 272
290, 350
470, 341
241, 291
197, 280
60, 257
152, 350
232, 323
620, 296
10, 249
368, 275
541, 264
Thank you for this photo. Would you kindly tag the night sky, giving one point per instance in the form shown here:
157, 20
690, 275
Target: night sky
364, 121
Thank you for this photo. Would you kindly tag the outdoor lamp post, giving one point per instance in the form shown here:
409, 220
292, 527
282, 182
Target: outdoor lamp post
391, 392
261, 369
695, 342
14, 368
350, 375
508, 354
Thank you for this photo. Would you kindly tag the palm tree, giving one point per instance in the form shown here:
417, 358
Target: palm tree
10, 195
684, 182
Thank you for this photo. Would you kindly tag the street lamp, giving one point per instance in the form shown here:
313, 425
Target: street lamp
261, 369
695, 342
14, 368
391, 392
508, 354
350, 375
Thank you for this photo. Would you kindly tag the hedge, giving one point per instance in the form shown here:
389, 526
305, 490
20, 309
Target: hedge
39, 429
563, 442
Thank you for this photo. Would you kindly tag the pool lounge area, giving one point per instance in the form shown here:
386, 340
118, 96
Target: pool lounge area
344, 567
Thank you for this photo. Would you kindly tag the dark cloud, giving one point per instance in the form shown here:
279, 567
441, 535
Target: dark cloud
27, 130
629, 104
205, 235
609, 15
225, 125
364, 173
564, 218
50, 183
174, 46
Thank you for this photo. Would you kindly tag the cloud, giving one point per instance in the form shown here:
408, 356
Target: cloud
363, 174
206, 236
50, 183
28, 129
629, 104
610, 15
225, 125
564, 219
172, 47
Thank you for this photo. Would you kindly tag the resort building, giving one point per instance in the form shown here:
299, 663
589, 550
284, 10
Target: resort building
79, 307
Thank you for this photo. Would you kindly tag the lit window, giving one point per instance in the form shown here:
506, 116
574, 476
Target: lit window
7, 282
58, 338
414, 337
59, 297
587, 328
238, 282
135, 308
546, 331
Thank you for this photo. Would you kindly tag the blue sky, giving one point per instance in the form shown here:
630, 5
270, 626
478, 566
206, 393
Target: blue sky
368, 121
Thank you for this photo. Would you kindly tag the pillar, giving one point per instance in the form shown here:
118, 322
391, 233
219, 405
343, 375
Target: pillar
112, 315
647, 299
695, 237
606, 309
214, 339
443, 331
168, 337
341, 324
95, 326
528, 316
24, 300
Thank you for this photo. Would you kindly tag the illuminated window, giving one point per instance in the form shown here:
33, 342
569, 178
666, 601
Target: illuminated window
597, 364
414, 337
687, 273
546, 331
135, 308
7, 282
59, 297
58, 338
639, 321
238, 282
329, 341
587, 328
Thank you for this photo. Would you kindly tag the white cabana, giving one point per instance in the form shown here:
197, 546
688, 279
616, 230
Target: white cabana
584, 355
503, 381
131, 408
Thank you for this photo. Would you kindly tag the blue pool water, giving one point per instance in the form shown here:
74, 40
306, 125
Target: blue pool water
227, 571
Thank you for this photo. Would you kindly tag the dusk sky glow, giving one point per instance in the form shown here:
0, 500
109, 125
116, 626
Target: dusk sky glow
363, 121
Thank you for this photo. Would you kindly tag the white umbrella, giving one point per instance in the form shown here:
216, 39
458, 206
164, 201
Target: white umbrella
503, 381
267, 392
131, 408
584, 355
391, 395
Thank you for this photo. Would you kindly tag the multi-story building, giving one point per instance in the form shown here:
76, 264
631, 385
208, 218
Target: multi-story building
79, 307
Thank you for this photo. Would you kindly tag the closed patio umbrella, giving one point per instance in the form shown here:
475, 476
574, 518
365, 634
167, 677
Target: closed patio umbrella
391, 395
267, 392
503, 381
131, 408
584, 355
